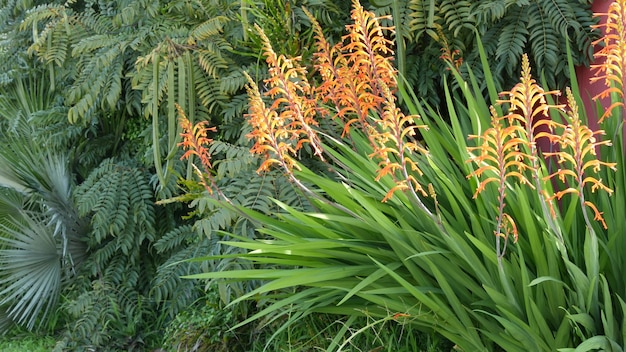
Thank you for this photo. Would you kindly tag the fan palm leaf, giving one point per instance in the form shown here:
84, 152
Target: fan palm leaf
40, 228
30, 269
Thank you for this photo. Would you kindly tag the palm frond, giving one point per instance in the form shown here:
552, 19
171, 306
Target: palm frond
30, 270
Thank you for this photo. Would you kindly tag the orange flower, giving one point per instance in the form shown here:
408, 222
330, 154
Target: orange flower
578, 152
613, 55
194, 142
501, 156
528, 106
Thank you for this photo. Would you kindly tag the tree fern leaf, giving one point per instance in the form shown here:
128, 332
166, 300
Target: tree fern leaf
211, 62
112, 89
511, 42
233, 82
174, 238
543, 41
208, 90
231, 159
172, 292
209, 28
584, 34
424, 18
107, 193
92, 43
560, 15
457, 15
233, 110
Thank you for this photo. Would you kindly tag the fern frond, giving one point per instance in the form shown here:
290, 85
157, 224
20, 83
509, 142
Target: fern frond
490, 10
424, 18
233, 111
457, 16
209, 28
232, 159
171, 292
512, 41
234, 81
93, 43
174, 238
211, 62
560, 14
208, 90
543, 40
119, 200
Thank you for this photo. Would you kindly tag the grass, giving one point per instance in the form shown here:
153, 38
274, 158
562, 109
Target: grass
315, 332
312, 335
26, 342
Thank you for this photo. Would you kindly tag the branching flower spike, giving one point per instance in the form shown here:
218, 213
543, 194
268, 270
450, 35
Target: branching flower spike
354, 74
393, 144
578, 153
194, 142
613, 55
528, 106
500, 157
291, 100
267, 131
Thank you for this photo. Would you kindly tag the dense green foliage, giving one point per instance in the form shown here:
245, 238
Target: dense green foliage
20, 342
471, 231
95, 194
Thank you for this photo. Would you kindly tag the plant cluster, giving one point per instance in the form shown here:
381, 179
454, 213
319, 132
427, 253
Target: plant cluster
363, 192
89, 115
459, 224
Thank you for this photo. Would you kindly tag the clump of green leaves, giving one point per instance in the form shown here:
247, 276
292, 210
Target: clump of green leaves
462, 237
206, 326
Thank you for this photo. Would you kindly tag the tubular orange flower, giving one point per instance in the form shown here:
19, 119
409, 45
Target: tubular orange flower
368, 50
194, 142
453, 57
290, 91
528, 106
353, 72
578, 151
392, 146
267, 131
613, 54
283, 128
500, 156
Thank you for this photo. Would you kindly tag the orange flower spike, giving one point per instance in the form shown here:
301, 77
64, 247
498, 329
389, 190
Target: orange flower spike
614, 54
527, 104
350, 72
578, 150
389, 138
500, 153
267, 129
501, 157
195, 138
448, 55
510, 227
194, 142
369, 51
328, 61
290, 92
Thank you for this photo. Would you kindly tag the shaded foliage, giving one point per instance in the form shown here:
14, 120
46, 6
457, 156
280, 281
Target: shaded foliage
426, 29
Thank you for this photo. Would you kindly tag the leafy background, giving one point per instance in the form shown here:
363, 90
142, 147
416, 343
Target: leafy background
91, 171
